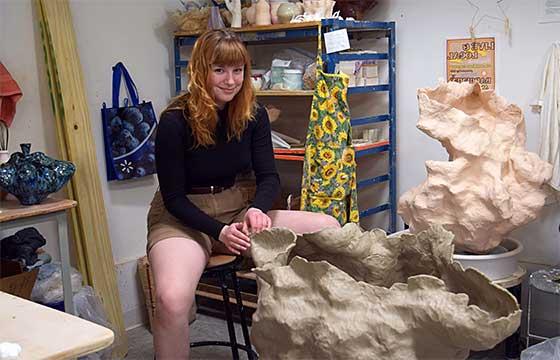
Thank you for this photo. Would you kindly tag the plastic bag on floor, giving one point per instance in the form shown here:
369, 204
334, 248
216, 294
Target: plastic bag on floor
48, 287
546, 350
88, 307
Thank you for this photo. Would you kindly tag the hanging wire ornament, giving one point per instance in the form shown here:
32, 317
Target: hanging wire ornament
474, 23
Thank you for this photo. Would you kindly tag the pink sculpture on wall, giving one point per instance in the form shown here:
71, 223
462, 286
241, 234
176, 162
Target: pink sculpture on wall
491, 183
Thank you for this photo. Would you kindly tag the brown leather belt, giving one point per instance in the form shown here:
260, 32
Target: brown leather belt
207, 189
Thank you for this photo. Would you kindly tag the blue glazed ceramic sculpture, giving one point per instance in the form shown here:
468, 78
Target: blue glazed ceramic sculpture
32, 177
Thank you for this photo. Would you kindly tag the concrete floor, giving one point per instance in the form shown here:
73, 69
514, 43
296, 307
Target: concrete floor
210, 328
205, 328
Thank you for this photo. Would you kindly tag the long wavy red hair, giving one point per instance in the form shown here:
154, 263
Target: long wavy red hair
223, 48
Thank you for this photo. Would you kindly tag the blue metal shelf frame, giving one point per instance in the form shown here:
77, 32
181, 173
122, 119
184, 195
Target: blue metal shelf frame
372, 151
385, 29
393, 125
388, 30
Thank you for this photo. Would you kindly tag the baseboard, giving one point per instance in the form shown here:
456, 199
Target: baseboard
134, 318
130, 291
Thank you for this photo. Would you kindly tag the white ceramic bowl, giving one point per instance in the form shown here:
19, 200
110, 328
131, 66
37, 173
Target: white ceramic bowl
500, 264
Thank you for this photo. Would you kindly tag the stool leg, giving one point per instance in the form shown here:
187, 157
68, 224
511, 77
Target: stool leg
229, 318
528, 338
241, 311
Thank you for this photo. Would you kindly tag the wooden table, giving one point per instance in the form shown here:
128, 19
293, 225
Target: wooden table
45, 333
13, 214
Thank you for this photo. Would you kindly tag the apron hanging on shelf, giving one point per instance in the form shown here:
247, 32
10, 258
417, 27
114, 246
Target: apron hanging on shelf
329, 170
549, 148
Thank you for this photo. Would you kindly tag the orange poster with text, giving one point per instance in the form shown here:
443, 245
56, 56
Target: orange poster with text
472, 60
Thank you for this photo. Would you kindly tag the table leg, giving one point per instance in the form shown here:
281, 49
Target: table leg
513, 342
65, 260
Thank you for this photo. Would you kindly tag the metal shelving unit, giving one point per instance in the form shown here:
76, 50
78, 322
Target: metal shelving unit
288, 33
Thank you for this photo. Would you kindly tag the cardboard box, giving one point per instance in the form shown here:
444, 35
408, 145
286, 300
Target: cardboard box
15, 281
149, 290
360, 72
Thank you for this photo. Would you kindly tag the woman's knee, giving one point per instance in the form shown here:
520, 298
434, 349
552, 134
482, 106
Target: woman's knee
173, 303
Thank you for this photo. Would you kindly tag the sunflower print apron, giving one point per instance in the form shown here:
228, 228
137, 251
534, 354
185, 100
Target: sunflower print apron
329, 170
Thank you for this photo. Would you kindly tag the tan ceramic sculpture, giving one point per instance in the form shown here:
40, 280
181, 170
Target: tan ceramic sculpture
262, 13
349, 294
491, 184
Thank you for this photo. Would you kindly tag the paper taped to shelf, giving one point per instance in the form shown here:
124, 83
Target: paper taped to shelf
336, 41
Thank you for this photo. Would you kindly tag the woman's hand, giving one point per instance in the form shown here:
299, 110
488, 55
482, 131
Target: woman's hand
234, 238
255, 221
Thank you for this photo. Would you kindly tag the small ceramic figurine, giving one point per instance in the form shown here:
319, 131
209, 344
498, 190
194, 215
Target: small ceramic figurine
262, 15
234, 7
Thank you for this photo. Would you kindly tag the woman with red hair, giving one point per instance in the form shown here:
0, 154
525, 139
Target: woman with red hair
205, 138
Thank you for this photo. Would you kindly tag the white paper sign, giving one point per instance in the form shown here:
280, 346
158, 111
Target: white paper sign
336, 41
549, 11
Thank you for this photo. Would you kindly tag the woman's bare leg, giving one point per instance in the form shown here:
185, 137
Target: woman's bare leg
302, 222
177, 264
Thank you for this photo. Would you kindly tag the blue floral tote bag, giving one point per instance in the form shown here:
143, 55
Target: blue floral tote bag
129, 132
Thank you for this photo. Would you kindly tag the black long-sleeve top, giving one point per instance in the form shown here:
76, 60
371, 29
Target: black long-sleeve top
180, 166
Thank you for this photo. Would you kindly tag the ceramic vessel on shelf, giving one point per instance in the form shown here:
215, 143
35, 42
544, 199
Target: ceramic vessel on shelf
215, 19
274, 5
262, 13
257, 81
258, 78
234, 7
287, 11
31, 177
251, 13
354, 8
292, 79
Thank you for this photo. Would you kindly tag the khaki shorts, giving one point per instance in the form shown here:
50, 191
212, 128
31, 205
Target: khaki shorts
227, 206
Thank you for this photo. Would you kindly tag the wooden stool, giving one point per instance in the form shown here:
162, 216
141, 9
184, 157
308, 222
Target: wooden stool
222, 266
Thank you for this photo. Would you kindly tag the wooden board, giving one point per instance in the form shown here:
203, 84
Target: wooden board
90, 230
246, 275
45, 333
11, 209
